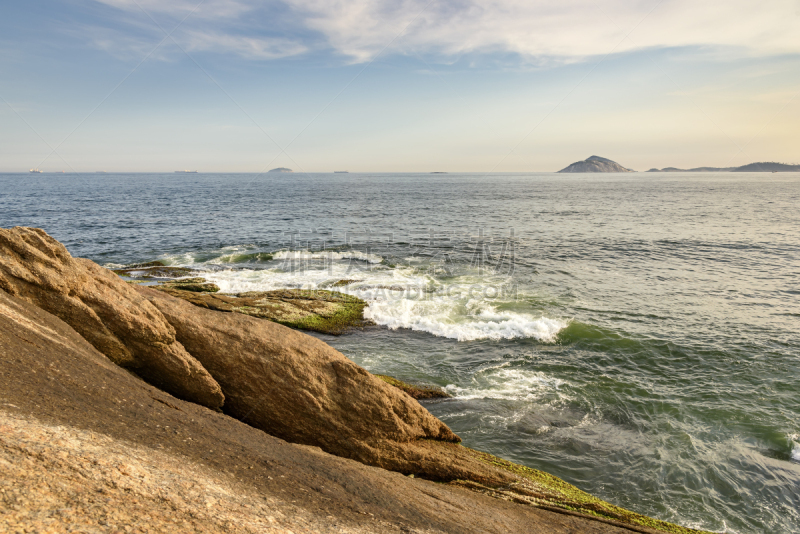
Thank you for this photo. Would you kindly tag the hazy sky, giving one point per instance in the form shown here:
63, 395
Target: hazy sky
396, 85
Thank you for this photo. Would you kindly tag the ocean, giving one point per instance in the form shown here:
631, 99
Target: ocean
633, 334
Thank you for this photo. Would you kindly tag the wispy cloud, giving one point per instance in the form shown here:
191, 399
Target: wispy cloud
534, 30
209, 9
248, 47
567, 30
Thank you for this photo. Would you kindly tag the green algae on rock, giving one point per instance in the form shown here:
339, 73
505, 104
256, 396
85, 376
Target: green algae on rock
545, 490
328, 312
416, 392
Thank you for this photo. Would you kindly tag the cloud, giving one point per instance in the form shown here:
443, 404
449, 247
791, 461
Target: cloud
534, 30
248, 47
208, 9
567, 30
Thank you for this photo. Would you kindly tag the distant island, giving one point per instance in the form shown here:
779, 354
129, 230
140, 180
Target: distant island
596, 164
762, 166
281, 169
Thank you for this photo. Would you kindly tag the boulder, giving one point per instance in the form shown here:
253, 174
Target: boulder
300, 389
106, 311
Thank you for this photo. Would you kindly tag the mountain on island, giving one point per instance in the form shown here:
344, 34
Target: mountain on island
596, 164
767, 166
281, 169
763, 166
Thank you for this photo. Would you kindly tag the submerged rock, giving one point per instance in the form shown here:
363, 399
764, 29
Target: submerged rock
416, 392
103, 309
319, 310
154, 269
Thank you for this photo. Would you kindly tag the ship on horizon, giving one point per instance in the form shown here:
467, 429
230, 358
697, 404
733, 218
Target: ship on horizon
35, 171
187, 171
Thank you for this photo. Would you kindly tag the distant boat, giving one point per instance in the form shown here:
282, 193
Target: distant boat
36, 171
187, 171
341, 172
438, 172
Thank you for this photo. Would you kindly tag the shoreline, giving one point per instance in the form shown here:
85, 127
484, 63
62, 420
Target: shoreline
71, 395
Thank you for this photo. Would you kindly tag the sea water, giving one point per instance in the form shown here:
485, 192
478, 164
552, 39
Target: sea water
633, 334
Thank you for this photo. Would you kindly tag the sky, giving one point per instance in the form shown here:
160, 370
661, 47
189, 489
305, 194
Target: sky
396, 85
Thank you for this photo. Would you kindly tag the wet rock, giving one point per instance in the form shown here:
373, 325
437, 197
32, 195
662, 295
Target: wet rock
418, 392
151, 270
194, 285
342, 283
323, 311
106, 311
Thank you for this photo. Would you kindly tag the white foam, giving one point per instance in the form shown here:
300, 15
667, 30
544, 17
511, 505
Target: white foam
328, 255
403, 297
795, 441
444, 317
506, 383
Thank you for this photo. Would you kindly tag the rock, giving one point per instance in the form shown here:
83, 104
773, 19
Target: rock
300, 389
416, 392
318, 310
106, 311
341, 283
194, 285
153, 269
85, 445
596, 164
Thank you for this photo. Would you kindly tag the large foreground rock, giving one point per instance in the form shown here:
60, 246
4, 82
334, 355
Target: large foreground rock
106, 311
87, 447
298, 388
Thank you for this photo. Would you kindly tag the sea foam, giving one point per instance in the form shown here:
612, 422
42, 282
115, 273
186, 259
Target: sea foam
506, 383
328, 255
403, 297
794, 439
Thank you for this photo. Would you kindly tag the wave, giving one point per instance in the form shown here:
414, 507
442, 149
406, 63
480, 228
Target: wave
443, 317
470, 306
464, 309
794, 439
505, 383
329, 255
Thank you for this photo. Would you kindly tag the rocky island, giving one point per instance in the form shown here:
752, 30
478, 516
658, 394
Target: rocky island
281, 169
131, 408
596, 164
763, 166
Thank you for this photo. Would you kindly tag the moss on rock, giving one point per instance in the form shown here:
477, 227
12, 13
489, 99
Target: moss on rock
328, 312
545, 490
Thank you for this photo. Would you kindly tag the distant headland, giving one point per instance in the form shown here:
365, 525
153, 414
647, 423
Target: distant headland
762, 166
596, 164
281, 169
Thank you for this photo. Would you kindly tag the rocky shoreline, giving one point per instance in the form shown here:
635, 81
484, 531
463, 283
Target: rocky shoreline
202, 397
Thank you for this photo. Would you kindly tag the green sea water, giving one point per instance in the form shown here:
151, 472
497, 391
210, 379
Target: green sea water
633, 334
